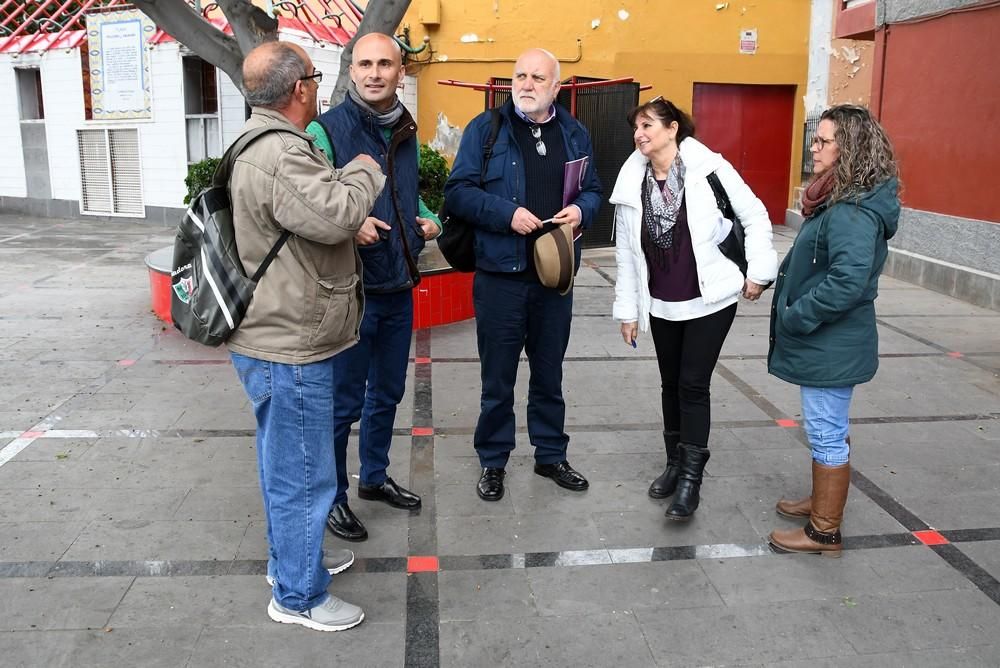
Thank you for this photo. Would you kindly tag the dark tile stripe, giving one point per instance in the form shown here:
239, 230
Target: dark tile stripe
971, 535
422, 649
424, 596
973, 572
957, 559
755, 397
936, 346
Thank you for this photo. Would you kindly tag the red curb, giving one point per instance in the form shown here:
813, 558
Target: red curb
785, 422
421, 360
422, 431
956, 355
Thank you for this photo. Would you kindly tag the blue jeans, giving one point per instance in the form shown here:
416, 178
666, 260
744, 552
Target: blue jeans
514, 315
369, 380
825, 417
293, 405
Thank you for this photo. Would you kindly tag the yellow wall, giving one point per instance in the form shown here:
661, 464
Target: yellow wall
669, 44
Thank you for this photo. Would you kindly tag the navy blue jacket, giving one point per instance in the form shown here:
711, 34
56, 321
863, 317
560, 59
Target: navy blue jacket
491, 207
390, 264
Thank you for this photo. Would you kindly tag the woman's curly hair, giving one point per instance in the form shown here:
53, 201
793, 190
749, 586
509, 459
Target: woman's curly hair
866, 155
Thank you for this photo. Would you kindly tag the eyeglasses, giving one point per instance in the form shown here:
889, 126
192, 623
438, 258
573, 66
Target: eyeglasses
536, 132
317, 75
821, 142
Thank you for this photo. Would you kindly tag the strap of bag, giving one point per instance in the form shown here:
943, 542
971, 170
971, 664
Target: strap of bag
270, 255
225, 168
721, 197
221, 179
495, 120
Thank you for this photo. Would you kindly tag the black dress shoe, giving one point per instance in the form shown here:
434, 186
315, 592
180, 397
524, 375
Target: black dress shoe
490, 487
345, 524
391, 493
564, 475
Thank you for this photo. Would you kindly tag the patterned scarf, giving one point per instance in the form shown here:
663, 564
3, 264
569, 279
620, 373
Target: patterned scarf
660, 207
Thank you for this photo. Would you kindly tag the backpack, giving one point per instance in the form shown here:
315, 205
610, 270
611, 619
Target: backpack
457, 242
211, 291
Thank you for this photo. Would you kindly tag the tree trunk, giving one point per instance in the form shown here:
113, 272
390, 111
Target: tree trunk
381, 16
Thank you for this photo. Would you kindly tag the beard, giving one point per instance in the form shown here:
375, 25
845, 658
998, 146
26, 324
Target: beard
532, 104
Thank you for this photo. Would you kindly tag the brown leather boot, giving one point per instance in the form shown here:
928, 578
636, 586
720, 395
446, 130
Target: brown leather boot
821, 535
796, 508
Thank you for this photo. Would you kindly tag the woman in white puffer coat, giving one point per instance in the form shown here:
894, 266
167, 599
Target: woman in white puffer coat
675, 282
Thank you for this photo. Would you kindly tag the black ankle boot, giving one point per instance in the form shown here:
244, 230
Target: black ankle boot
665, 485
686, 497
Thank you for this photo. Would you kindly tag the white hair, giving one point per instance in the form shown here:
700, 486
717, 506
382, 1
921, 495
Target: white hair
554, 60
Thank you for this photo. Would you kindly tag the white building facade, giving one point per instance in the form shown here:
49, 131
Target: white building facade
58, 163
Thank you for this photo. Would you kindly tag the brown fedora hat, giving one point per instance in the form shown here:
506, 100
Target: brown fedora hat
554, 255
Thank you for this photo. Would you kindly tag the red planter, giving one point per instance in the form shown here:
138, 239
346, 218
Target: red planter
443, 296
159, 264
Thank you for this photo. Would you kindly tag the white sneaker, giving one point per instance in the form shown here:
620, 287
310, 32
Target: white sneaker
332, 614
334, 562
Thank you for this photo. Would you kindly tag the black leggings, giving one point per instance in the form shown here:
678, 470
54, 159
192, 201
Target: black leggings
686, 352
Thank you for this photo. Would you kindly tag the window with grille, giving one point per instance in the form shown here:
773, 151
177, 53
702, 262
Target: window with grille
110, 173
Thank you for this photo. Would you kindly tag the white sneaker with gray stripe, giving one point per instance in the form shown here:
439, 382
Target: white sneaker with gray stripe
332, 614
336, 561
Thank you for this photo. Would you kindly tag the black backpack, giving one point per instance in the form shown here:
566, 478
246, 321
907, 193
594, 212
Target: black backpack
210, 289
457, 241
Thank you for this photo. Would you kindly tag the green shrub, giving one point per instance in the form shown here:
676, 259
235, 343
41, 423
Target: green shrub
199, 177
433, 174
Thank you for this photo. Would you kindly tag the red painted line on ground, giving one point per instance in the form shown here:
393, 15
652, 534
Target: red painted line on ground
421, 360
126, 362
785, 422
956, 355
422, 431
422, 565
32, 434
930, 537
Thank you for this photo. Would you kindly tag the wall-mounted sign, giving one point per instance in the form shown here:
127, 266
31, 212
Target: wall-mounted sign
748, 40
120, 86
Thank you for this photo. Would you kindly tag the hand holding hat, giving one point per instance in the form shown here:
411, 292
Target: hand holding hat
555, 258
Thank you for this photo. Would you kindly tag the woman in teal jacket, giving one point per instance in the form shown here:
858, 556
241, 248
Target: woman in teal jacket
823, 334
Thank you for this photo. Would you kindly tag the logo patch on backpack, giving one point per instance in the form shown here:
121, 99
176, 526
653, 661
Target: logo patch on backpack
183, 289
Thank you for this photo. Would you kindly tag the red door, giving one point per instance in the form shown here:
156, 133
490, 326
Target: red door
752, 127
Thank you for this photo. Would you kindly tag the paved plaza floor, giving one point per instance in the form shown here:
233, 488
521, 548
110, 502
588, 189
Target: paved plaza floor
132, 532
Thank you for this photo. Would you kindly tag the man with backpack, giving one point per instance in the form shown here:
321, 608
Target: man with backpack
305, 309
512, 200
369, 379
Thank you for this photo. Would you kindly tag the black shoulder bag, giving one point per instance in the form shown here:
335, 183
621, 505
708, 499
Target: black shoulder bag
734, 245
457, 241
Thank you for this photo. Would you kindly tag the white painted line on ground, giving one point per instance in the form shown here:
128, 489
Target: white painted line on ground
11, 449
